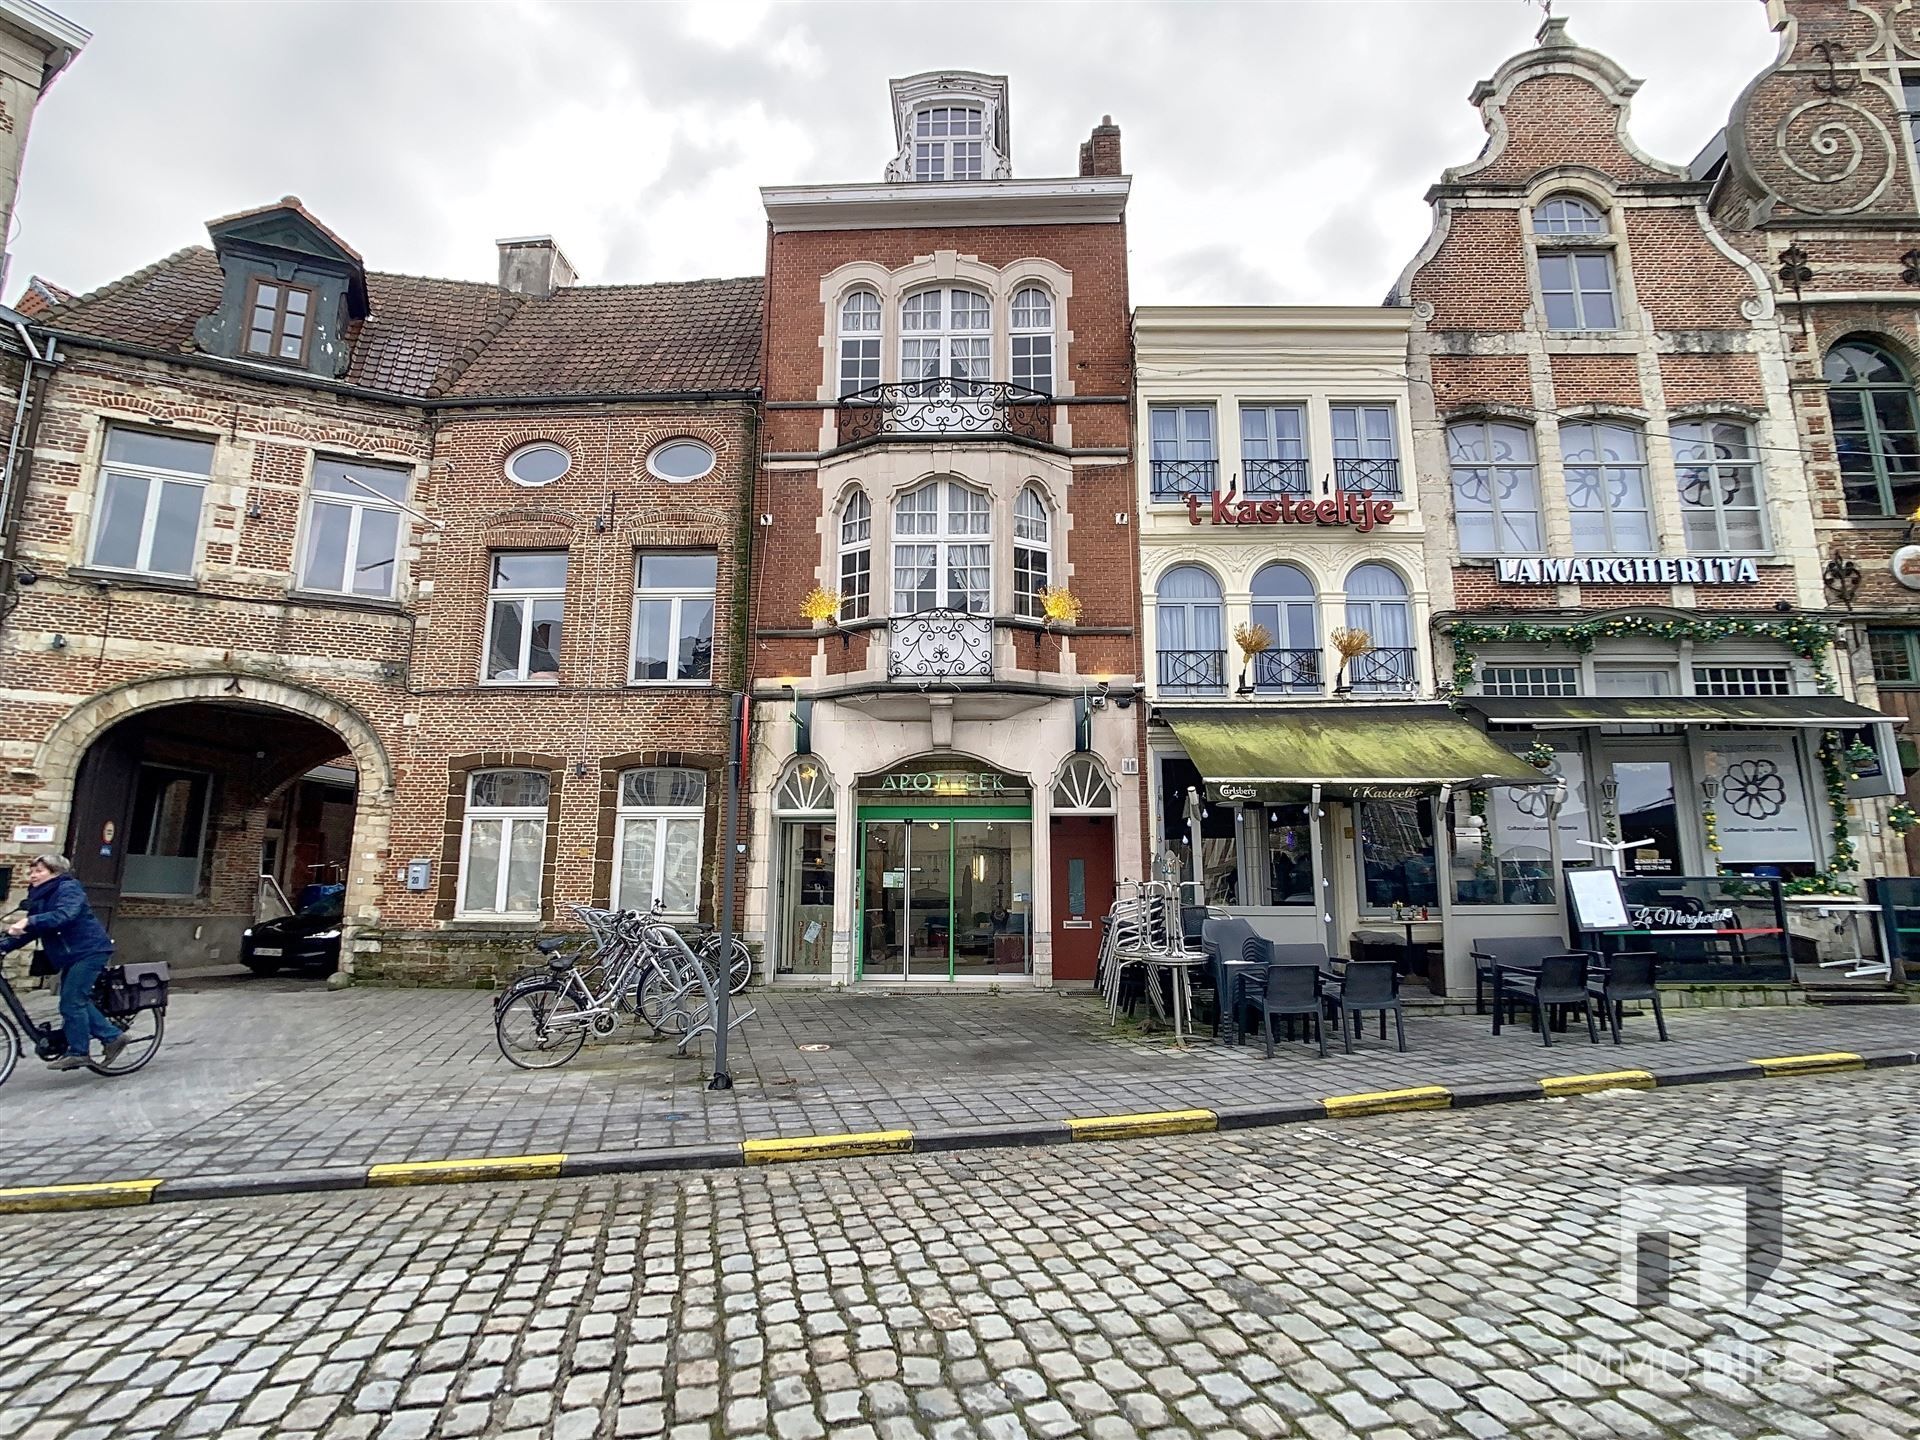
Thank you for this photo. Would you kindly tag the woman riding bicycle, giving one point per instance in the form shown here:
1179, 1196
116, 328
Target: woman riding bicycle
73, 938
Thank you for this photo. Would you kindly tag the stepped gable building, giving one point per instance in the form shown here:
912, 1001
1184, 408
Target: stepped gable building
1817, 180
1632, 576
424, 588
943, 649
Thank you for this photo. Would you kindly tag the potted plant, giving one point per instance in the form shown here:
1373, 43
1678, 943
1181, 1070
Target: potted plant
1254, 639
822, 607
1059, 605
1349, 642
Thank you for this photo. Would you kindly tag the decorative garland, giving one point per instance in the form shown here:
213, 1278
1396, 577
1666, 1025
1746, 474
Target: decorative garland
1710, 821
1809, 639
1838, 770
1902, 817
1477, 806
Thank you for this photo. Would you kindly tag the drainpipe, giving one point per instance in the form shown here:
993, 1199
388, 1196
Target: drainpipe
18, 472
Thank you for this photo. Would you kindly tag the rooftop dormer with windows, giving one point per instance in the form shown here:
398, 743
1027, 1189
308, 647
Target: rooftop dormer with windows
950, 125
292, 289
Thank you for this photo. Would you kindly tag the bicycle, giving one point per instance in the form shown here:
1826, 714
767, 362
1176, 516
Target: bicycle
133, 997
706, 948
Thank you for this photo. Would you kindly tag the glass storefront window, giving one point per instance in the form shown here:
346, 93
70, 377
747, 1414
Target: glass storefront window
1513, 864
806, 889
1764, 821
1289, 855
1394, 841
1219, 837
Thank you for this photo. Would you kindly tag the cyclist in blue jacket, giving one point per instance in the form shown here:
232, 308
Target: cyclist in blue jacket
73, 938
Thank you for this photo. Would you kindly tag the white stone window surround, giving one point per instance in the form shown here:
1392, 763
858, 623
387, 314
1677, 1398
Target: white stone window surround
963, 92
943, 269
1634, 653
1612, 243
1001, 476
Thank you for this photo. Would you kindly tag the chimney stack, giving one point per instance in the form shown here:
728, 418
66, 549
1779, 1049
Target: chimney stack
1100, 154
533, 265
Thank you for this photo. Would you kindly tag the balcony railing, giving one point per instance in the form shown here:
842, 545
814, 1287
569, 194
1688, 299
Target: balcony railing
1173, 479
1381, 671
1193, 672
1274, 477
940, 645
946, 405
1287, 672
1382, 477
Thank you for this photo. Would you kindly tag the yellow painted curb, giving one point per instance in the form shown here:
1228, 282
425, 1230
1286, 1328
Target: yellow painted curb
1385, 1102
445, 1172
1811, 1064
95, 1195
827, 1147
1600, 1080
1134, 1127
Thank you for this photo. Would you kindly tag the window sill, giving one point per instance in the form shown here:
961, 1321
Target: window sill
504, 922
670, 684
137, 578
520, 684
346, 602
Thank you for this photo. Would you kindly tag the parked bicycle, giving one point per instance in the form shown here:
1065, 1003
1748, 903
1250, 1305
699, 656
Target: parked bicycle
133, 997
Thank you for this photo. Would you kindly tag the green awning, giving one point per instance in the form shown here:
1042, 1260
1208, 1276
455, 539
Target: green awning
1350, 751
1812, 711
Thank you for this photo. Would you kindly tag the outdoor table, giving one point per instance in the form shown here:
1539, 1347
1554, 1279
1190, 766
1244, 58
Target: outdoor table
1827, 905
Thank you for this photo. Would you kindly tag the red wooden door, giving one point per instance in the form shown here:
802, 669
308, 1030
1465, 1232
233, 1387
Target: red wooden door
1082, 892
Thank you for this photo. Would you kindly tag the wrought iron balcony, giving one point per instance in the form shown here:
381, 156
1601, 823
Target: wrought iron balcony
946, 405
1381, 672
1175, 478
1193, 672
1382, 477
1274, 477
1287, 672
934, 645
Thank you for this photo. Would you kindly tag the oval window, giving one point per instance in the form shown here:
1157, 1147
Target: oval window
680, 460
538, 464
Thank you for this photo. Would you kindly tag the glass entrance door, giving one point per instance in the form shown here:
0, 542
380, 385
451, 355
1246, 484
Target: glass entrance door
945, 897
1645, 804
929, 899
883, 898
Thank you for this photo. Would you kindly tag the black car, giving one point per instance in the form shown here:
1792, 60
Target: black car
308, 940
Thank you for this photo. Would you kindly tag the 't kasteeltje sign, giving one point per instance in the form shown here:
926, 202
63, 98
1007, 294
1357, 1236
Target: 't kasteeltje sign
1357, 508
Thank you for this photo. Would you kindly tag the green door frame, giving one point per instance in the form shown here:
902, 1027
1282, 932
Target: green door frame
946, 815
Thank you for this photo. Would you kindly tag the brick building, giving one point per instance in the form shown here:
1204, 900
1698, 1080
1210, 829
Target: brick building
945, 771
1631, 583
427, 588
1817, 180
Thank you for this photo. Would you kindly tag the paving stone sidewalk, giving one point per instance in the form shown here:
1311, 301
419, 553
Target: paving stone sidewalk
268, 1075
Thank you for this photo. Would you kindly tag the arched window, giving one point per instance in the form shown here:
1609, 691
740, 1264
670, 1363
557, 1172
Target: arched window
1283, 602
859, 341
1377, 604
1606, 472
805, 789
947, 142
503, 846
1496, 488
946, 333
1082, 787
1033, 339
856, 557
942, 551
1871, 401
1032, 552
1191, 633
1719, 486
1567, 215
661, 817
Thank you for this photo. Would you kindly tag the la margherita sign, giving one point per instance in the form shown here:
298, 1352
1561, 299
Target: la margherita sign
1356, 508
1656, 570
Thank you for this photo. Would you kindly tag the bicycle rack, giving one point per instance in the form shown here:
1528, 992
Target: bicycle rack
693, 974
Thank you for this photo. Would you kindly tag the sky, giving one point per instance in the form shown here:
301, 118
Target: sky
1279, 151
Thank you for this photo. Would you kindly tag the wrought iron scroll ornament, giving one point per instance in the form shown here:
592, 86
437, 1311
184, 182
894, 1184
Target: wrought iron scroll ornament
947, 405
1833, 82
940, 645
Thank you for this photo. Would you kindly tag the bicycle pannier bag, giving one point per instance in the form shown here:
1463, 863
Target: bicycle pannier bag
141, 985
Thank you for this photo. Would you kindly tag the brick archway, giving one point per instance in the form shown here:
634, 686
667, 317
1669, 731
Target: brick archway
57, 762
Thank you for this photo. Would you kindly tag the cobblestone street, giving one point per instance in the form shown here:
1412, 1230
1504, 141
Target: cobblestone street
1415, 1275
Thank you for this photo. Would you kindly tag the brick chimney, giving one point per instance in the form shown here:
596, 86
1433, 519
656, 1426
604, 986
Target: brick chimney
1100, 154
533, 265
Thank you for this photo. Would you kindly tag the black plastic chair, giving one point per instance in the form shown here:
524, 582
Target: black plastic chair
1366, 985
1629, 975
1292, 990
1515, 950
1224, 938
1260, 952
1560, 983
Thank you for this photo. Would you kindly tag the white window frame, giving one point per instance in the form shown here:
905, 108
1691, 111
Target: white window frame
678, 595
1183, 447
856, 544
860, 341
1669, 676
659, 817
157, 478
511, 817
1525, 678
946, 337
523, 599
1715, 468
1515, 474
1605, 509
356, 502
1032, 551
1742, 680
1576, 291
934, 154
944, 539
1557, 214
1030, 317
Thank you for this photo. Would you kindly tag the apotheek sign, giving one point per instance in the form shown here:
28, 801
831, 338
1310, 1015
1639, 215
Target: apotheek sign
1658, 570
1356, 508
942, 782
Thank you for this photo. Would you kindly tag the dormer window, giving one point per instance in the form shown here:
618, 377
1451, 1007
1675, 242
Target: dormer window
278, 321
947, 142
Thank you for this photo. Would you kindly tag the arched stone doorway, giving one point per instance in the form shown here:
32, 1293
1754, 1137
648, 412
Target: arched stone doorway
174, 795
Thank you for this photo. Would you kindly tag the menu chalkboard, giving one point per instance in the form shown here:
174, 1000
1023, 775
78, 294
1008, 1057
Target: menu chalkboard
1597, 901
